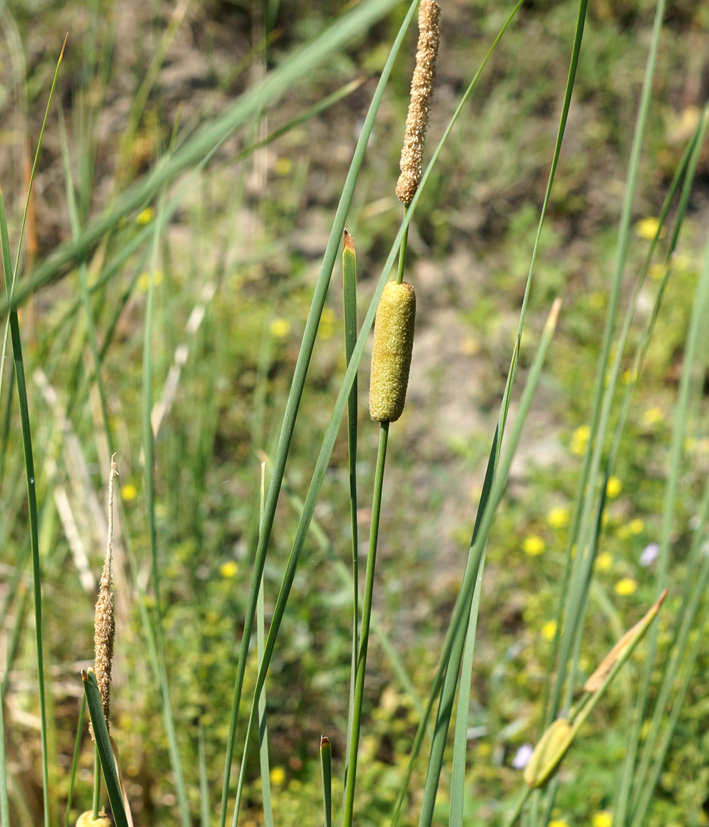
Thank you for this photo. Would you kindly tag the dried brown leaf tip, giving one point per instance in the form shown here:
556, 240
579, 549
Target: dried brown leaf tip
411, 163
104, 617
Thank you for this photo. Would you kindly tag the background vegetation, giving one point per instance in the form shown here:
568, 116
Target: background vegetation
170, 269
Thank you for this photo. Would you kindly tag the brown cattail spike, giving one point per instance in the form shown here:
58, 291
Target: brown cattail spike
420, 103
104, 620
391, 352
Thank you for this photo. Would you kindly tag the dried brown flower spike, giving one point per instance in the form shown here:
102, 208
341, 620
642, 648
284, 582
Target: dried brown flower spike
411, 162
391, 351
104, 620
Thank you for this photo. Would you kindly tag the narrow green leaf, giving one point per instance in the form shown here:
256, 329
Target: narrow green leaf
326, 770
103, 743
349, 274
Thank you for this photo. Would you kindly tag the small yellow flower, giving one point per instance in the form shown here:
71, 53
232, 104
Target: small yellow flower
533, 545
647, 228
145, 217
625, 586
549, 630
327, 323
280, 328
636, 526
558, 517
229, 569
597, 300
129, 492
604, 561
579, 440
283, 166
653, 415
144, 280
602, 819
558, 822
682, 262
614, 487
278, 776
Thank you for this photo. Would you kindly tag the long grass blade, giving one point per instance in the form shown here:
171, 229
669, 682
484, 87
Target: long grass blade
349, 274
19, 368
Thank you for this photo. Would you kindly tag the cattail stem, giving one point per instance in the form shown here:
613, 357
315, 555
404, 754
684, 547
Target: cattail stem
366, 619
402, 254
97, 784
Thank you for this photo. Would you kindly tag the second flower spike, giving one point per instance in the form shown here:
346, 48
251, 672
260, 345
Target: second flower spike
391, 352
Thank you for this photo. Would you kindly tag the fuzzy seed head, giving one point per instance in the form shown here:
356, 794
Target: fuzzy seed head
411, 162
104, 616
391, 352
104, 633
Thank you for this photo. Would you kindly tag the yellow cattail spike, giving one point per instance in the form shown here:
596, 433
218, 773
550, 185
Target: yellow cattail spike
548, 753
411, 163
391, 352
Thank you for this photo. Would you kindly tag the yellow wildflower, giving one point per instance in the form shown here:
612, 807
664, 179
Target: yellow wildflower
144, 279
602, 819
280, 328
533, 545
558, 517
229, 569
145, 217
614, 487
625, 586
579, 440
549, 630
327, 323
647, 228
636, 526
653, 415
604, 561
128, 492
277, 775
283, 166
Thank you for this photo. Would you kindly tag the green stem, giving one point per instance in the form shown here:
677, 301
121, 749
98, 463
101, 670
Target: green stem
402, 253
97, 785
366, 618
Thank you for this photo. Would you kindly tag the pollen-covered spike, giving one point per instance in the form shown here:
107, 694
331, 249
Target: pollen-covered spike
391, 352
